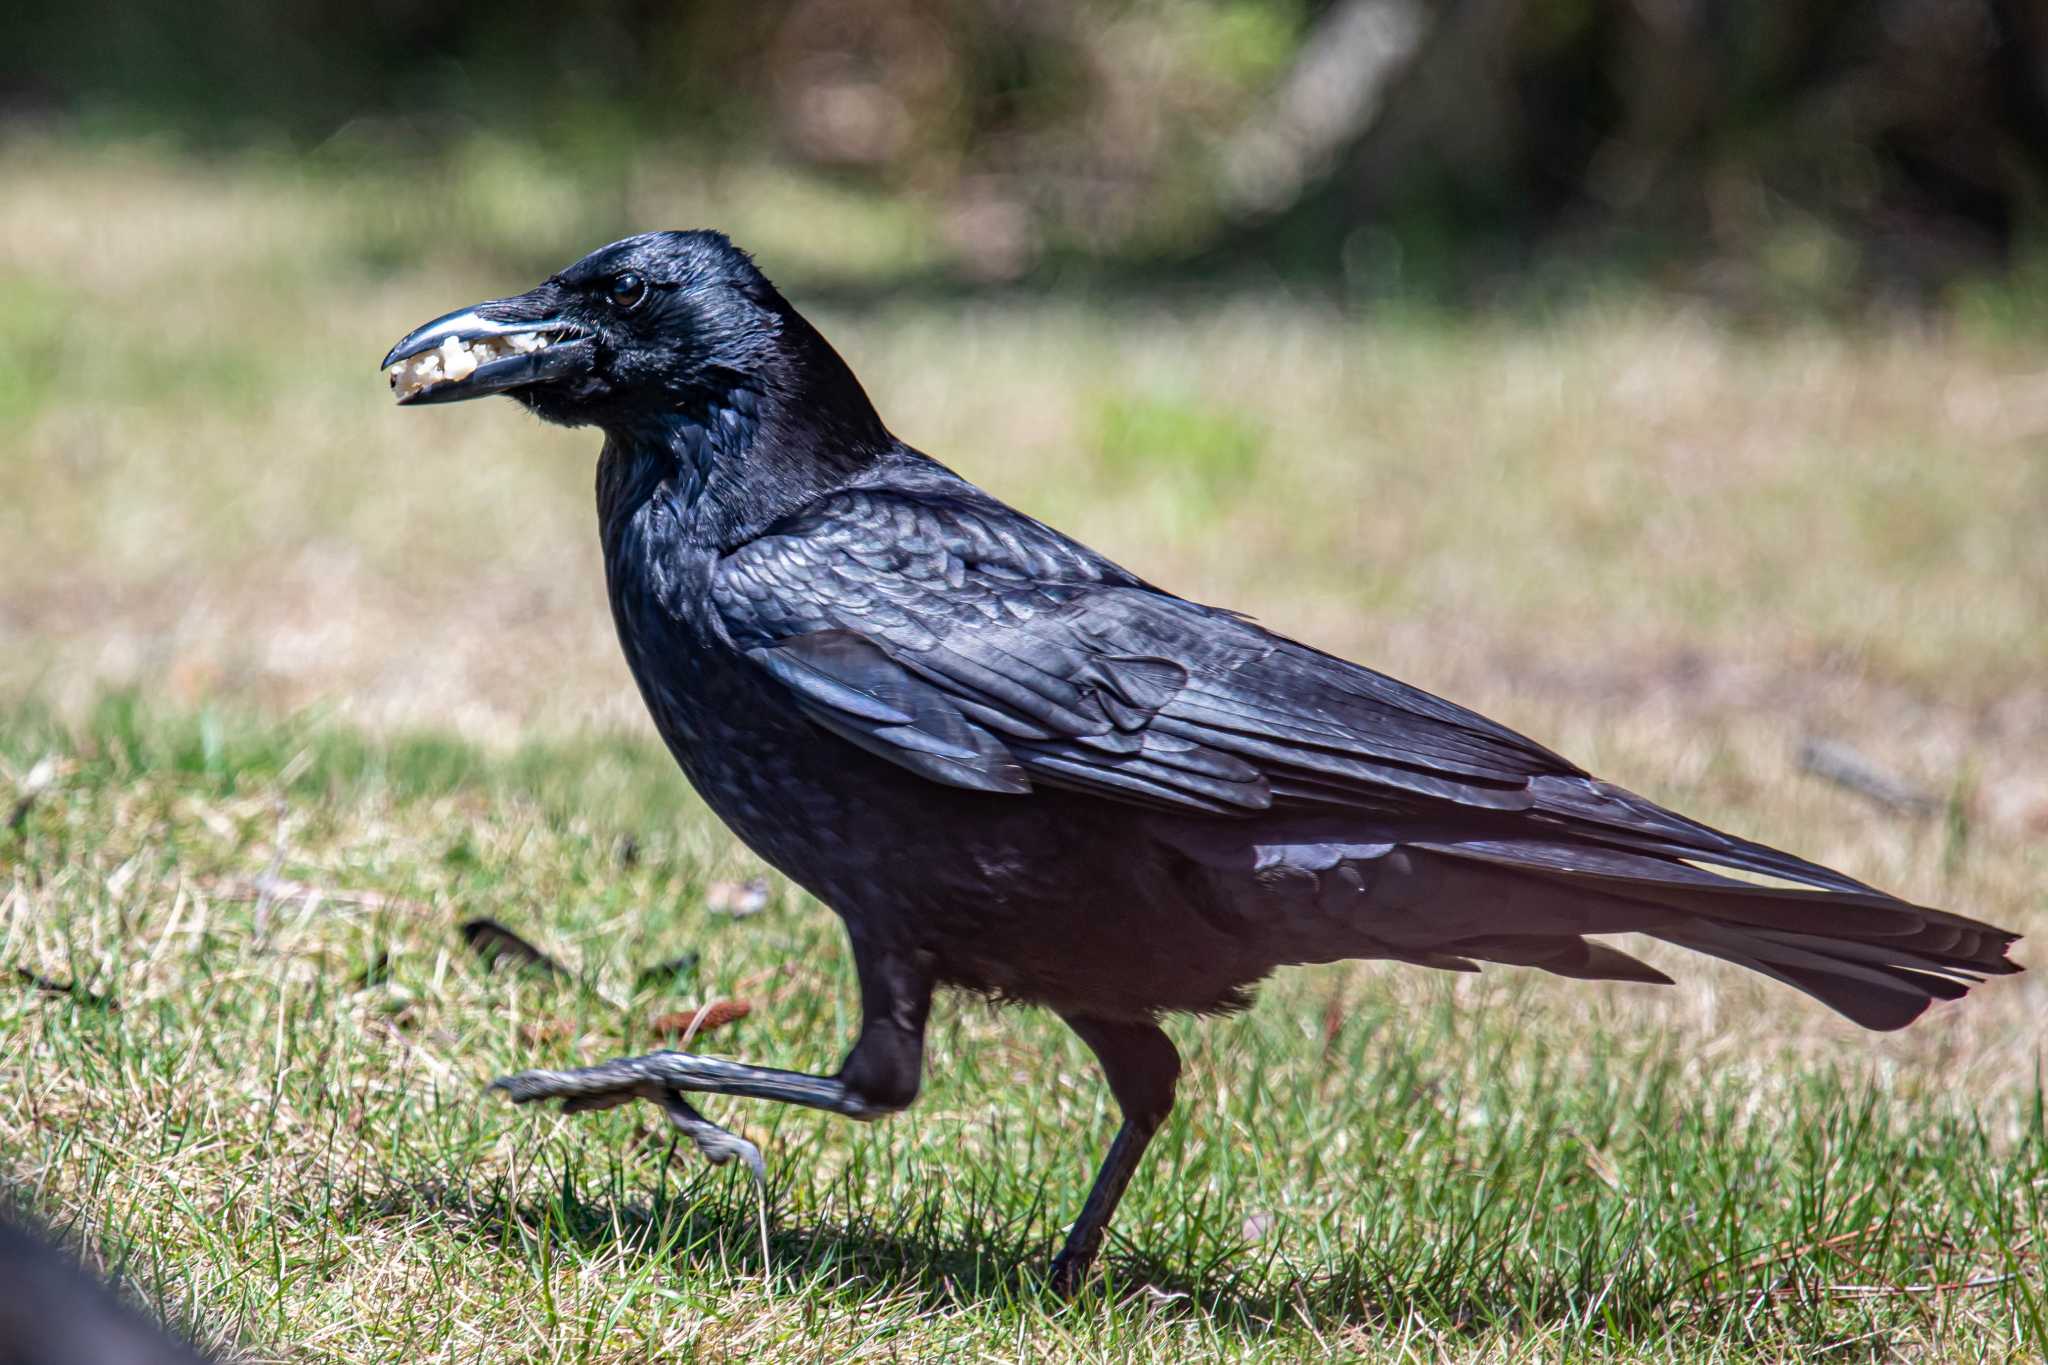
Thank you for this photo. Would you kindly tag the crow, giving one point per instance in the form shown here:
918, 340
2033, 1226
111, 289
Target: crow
1014, 768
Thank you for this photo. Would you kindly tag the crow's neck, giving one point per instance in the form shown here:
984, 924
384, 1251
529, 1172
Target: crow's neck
739, 456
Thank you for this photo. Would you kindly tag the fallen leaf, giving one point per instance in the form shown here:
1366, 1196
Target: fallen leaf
689, 1023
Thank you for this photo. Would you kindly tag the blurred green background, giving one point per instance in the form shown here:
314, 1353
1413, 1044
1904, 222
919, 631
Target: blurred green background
1772, 152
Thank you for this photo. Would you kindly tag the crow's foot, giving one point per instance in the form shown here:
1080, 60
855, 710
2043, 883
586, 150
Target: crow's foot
610, 1084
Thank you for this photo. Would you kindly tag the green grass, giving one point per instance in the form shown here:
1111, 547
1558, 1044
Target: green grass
291, 1153
269, 632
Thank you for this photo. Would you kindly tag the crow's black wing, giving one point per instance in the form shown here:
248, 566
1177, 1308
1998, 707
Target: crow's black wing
967, 643
979, 648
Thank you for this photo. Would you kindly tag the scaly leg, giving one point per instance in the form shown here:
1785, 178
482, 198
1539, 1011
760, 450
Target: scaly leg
1142, 1068
880, 1075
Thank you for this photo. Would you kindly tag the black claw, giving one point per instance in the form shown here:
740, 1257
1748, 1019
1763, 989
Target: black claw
520, 1087
611, 1084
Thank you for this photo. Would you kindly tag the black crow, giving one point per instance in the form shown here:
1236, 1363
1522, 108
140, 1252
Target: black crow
1015, 768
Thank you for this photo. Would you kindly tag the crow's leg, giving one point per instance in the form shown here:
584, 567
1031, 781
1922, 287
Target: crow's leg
879, 1076
1142, 1068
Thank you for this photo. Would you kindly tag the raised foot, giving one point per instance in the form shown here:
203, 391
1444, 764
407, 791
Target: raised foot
609, 1084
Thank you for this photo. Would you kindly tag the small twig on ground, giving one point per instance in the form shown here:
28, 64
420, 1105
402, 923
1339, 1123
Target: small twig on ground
496, 945
285, 889
1847, 1342
1782, 1290
40, 779
1838, 763
1887, 1291
1792, 1248
50, 985
1919, 1304
667, 973
269, 880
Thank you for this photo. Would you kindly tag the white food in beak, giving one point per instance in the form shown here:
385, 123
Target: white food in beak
455, 360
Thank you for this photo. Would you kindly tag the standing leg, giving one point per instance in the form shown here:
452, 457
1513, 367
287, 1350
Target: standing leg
1142, 1067
879, 1076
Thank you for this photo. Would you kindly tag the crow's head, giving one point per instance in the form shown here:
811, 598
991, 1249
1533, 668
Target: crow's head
653, 323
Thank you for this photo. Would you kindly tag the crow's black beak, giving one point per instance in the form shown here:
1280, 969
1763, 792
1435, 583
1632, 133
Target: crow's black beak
504, 344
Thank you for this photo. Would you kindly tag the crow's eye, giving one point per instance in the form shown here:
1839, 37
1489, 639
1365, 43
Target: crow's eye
626, 289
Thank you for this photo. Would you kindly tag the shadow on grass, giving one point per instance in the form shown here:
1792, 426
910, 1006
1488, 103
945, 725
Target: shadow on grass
941, 1258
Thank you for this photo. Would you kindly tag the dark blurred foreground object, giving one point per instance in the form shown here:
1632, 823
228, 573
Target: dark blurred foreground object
54, 1312
1015, 768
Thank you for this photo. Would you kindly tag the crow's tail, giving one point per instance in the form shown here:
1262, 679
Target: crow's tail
1630, 865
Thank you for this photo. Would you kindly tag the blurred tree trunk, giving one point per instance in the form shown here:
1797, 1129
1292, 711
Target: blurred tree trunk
1352, 58
1438, 123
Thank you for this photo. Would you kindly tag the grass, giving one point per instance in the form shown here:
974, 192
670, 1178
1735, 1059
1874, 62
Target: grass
276, 1123
291, 684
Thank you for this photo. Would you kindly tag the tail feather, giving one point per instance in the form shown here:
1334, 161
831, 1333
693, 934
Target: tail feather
1878, 984
1890, 952
1835, 957
1632, 821
1665, 882
1562, 956
1881, 1007
1632, 865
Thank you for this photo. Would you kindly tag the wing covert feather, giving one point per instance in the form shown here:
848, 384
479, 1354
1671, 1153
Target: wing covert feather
980, 648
